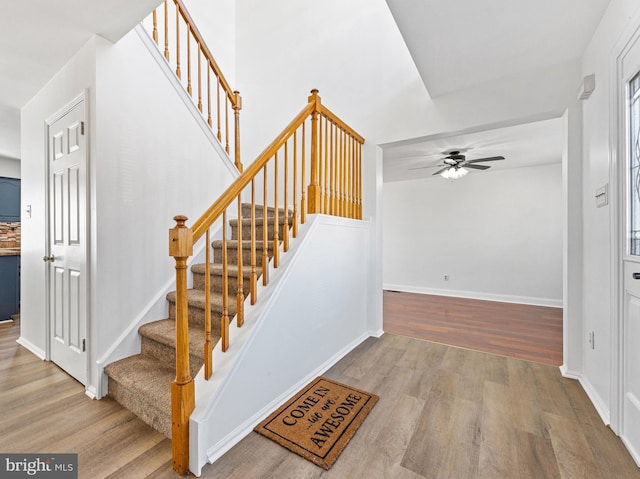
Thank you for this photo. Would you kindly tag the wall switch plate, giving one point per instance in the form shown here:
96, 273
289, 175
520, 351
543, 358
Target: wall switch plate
602, 196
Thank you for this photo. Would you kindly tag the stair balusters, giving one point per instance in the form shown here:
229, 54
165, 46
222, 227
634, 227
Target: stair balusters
324, 176
228, 101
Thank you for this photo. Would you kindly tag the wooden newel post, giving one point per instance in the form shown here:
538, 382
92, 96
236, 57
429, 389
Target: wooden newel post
237, 106
314, 192
182, 388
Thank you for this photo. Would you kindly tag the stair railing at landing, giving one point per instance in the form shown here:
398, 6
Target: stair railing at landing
313, 166
174, 38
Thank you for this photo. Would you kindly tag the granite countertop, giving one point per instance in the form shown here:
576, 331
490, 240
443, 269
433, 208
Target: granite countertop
10, 251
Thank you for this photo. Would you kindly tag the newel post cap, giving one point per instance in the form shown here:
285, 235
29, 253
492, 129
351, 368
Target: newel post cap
180, 239
238, 105
314, 97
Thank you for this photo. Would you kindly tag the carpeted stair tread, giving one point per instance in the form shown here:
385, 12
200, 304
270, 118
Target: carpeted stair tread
196, 299
246, 222
142, 382
143, 375
246, 244
259, 211
216, 269
164, 332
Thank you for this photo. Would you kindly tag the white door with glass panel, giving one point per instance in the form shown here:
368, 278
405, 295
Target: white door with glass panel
66, 258
630, 424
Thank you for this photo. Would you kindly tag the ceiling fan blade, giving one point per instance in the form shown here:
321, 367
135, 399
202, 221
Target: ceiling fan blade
491, 158
440, 171
476, 167
423, 167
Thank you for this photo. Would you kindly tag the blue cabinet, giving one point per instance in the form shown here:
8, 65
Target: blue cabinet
9, 286
9, 199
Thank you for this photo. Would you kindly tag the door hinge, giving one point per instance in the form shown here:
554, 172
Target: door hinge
84, 345
82, 127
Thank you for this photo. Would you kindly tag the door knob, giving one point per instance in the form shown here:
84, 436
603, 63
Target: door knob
636, 275
48, 258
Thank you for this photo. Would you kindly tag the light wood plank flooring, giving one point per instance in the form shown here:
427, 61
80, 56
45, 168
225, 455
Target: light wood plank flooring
516, 330
444, 412
42, 409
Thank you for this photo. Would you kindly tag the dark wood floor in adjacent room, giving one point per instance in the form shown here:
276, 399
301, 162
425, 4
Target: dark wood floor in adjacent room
520, 331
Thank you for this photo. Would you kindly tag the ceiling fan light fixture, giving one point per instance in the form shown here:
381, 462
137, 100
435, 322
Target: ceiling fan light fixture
454, 173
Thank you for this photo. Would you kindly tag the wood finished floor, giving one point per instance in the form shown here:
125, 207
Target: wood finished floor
520, 331
444, 412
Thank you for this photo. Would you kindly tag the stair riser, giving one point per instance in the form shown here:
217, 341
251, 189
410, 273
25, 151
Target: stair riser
232, 254
216, 283
196, 315
246, 211
246, 230
157, 419
166, 355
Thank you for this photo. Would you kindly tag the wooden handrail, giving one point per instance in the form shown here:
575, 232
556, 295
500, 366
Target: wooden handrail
335, 119
232, 192
333, 186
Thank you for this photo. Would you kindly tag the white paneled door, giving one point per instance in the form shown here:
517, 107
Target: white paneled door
630, 337
66, 258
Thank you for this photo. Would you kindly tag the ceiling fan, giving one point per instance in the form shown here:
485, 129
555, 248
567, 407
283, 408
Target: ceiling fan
456, 164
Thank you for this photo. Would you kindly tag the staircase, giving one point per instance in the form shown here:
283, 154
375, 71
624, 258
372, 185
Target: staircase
141, 382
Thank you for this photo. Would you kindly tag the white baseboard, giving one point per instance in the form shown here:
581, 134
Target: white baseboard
503, 298
231, 439
569, 374
31, 347
91, 392
376, 334
634, 453
594, 397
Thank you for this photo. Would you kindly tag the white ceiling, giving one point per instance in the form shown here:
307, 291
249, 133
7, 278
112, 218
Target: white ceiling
529, 144
460, 44
455, 44
37, 37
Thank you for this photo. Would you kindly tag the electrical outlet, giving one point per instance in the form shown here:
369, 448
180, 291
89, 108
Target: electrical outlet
592, 339
446, 277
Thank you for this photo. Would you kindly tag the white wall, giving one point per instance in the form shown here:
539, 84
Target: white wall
9, 167
620, 19
497, 234
216, 22
351, 51
572, 240
9, 132
313, 313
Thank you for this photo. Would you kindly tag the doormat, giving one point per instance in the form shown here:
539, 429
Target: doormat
318, 421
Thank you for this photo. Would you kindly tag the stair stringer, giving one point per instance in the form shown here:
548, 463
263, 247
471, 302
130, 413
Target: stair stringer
313, 312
